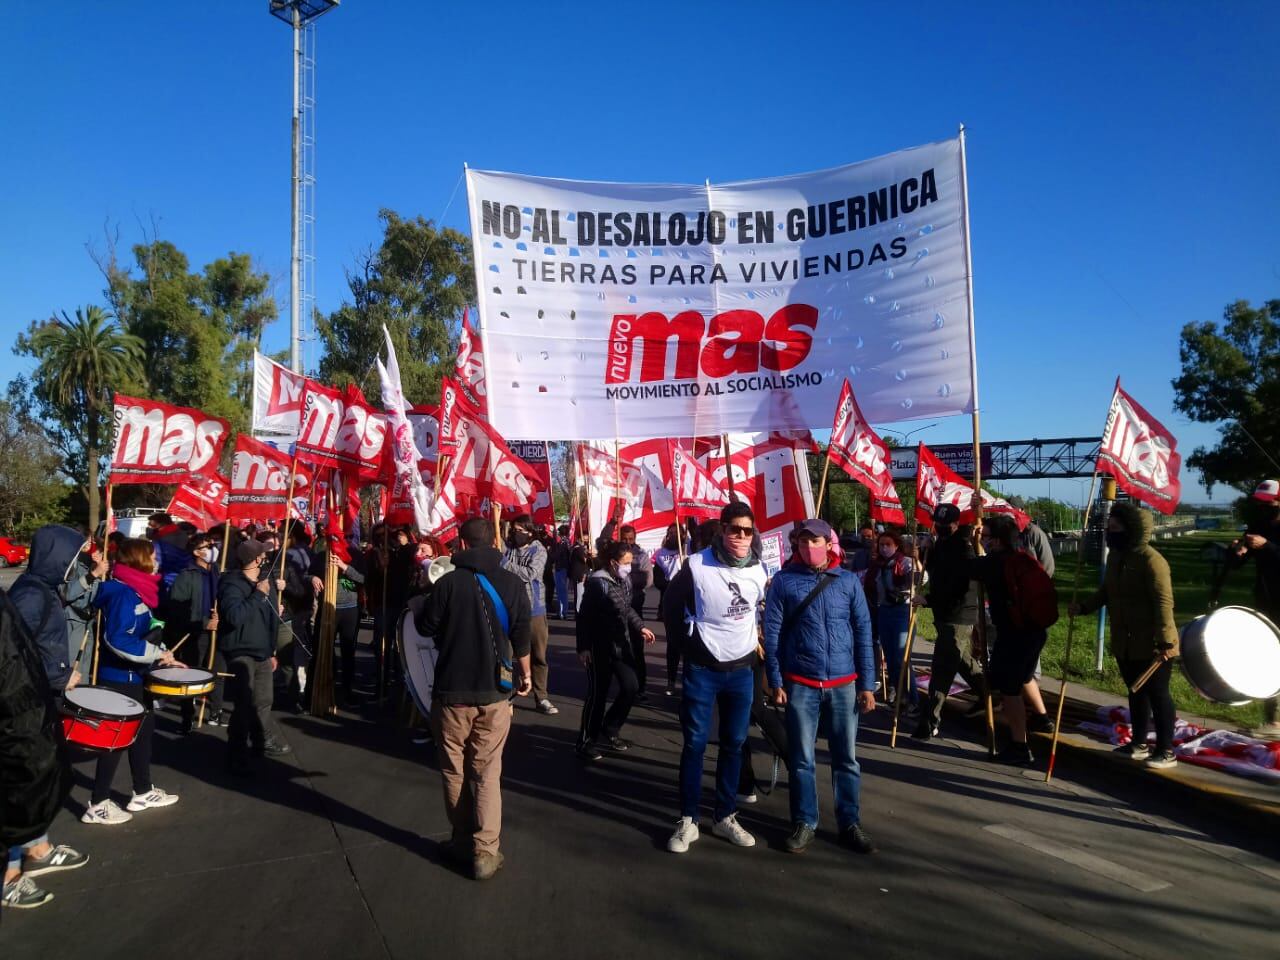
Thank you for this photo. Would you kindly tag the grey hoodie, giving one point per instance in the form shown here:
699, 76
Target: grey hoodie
38, 596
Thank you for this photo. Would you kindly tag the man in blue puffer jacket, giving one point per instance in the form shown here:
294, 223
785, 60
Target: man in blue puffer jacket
820, 661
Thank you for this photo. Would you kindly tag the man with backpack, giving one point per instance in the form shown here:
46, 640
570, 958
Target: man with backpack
1023, 604
479, 616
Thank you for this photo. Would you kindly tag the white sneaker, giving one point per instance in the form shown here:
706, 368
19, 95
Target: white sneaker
748, 797
105, 812
547, 707
686, 833
155, 797
731, 830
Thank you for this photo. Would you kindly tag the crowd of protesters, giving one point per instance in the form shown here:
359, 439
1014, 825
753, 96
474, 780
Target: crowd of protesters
808, 648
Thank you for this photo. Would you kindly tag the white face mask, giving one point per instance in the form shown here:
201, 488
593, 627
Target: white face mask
624, 571
888, 551
204, 554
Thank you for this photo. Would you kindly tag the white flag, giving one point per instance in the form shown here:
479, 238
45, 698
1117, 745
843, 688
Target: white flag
404, 453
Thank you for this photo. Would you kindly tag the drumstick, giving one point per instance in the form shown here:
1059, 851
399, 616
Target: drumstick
178, 644
1156, 664
224, 674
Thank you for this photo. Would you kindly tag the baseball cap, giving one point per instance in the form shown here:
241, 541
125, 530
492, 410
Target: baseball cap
1268, 490
815, 528
946, 513
249, 551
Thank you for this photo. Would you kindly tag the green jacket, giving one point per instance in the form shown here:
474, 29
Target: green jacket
1137, 593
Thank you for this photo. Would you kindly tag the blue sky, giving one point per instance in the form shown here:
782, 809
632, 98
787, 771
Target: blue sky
1122, 156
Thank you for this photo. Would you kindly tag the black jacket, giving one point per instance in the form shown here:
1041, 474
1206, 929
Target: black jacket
1266, 584
185, 610
36, 595
606, 623
466, 627
953, 597
247, 619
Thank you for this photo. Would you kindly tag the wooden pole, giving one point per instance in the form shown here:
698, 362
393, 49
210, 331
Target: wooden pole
322, 693
213, 634
288, 513
497, 525
97, 631
728, 466
1071, 624
822, 487
904, 674
386, 575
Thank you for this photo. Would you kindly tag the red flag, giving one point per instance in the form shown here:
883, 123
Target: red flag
469, 368
483, 465
159, 443
856, 448
340, 429
1140, 453
888, 509
259, 485
619, 477
202, 501
450, 399
696, 492
536, 455
937, 483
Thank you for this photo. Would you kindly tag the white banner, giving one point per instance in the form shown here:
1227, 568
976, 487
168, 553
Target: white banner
667, 310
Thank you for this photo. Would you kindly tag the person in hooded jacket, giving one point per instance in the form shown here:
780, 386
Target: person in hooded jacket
131, 647
35, 599
820, 664
608, 633
1138, 594
888, 586
191, 618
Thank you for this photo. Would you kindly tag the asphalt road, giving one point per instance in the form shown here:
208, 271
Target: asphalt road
334, 852
10, 574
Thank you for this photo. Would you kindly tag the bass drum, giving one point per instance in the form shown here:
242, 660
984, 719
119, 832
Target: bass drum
1232, 655
418, 656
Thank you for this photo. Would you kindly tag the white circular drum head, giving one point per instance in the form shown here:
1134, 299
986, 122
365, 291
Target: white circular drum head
181, 675
108, 703
1244, 648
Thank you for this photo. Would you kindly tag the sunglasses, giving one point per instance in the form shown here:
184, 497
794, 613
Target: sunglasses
735, 531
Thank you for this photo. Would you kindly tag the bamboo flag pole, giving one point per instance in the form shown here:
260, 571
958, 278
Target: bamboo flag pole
213, 634
1071, 624
980, 630
822, 487
497, 525
904, 674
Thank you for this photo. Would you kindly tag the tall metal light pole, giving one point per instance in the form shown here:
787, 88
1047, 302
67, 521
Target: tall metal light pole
300, 14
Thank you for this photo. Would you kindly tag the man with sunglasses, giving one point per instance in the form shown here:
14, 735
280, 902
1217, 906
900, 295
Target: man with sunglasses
712, 604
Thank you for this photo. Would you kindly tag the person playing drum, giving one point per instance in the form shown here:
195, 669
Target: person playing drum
1262, 542
129, 646
1139, 595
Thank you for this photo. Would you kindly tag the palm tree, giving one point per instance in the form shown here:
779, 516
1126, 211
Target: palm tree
81, 362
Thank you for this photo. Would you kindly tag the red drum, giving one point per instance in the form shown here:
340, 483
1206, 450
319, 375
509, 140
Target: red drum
99, 718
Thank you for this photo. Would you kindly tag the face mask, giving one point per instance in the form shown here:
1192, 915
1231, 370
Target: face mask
1117, 540
887, 551
204, 554
520, 538
813, 554
624, 571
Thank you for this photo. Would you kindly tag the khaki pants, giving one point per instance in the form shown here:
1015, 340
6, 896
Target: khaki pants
538, 656
469, 742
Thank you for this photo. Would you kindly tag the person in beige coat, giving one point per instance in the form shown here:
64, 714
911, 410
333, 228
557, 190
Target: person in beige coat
1138, 594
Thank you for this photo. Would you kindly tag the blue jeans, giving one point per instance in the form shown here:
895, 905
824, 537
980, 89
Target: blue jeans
806, 707
892, 624
704, 689
562, 593
15, 853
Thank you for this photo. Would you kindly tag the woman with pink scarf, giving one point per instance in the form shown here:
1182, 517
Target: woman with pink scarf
130, 647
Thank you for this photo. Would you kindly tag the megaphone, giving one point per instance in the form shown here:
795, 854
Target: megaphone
438, 568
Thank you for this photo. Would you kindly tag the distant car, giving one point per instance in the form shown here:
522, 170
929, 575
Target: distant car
12, 554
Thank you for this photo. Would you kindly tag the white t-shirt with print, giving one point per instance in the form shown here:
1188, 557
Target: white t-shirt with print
725, 603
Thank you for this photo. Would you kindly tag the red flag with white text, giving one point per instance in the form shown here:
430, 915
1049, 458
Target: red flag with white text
618, 477
159, 443
469, 368
259, 487
856, 448
937, 483
483, 466
1140, 453
202, 501
697, 493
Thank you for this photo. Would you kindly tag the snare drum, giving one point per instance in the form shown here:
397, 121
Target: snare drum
100, 718
418, 656
1232, 655
179, 682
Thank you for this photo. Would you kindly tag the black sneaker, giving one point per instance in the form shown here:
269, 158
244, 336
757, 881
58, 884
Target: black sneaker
1040, 723
1161, 760
856, 839
926, 729
215, 719
276, 748
799, 839
618, 744
642, 697
1016, 755
590, 752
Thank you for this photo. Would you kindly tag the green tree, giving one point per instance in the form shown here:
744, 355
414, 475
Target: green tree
32, 491
1231, 375
79, 364
417, 283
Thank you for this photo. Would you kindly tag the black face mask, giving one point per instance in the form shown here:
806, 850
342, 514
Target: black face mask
1117, 540
944, 531
520, 538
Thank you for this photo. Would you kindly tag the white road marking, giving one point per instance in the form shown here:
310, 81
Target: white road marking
1077, 857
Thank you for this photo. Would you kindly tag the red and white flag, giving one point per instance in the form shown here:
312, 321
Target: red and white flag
159, 443
259, 487
482, 465
202, 501
277, 397
617, 477
856, 448
937, 483
339, 429
451, 397
401, 448
1140, 453
469, 368
697, 493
